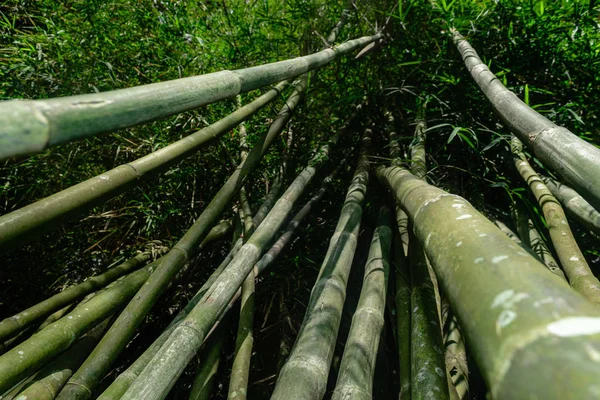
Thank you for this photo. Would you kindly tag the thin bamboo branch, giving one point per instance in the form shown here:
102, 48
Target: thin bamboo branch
357, 368
571, 258
304, 375
29, 126
524, 326
576, 160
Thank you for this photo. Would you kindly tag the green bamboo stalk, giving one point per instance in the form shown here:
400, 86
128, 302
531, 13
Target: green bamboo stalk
120, 385
158, 377
48, 382
576, 205
455, 356
205, 380
571, 258
114, 341
417, 147
576, 160
43, 346
25, 223
12, 325
403, 292
528, 332
515, 238
304, 375
30, 126
357, 368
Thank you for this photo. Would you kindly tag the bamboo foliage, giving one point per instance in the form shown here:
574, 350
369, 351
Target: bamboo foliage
576, 160
571, 258
304, 375
158, 377
355, 379
117, 337
29, 126
576, 205
25, 223
520, 321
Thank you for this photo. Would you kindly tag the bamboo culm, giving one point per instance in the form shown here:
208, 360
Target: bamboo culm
304, 375
12, 325
519, 320
160, 374
355, 378
576, 160
43, 346
578, 272
29, 126
25, 223
576, 205
114, 341
120, 385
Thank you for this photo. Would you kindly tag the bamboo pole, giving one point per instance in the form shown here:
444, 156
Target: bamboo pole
158, 377
528, 332
576, 160
43, 346
304, 375
576, 205
205, 380
357, 368
120, 385
114, 341
29, 126
455, 355
571, 258
12, 325
25, 223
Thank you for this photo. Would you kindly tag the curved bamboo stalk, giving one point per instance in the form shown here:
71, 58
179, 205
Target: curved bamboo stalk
524, 326
50, 380
576, 160
548, 260
120, 385
158, 377
12, 325
576, 205
30, 126
114, 341
25, 223
43, 346
573, 262
357, 368
304, 375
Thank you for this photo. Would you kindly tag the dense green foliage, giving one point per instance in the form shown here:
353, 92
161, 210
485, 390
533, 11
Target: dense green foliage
548, 53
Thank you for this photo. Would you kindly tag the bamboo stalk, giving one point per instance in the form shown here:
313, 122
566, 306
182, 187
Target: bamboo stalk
12, 325
571, 258
30, 126
576, 205
304, 375
114, 341
357, 368
455, 356
43, 346
25, 223
50, 380
205, 380
158, 377
528, 332
120, 385
576, 160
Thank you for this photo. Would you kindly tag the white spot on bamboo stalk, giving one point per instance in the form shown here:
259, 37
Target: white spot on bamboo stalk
439, 371
427, 239
497, 259
505, 318
458, 244
502, 297
70, 317
575, 326
483, 234
539, 186
457, 205
464, 216
20, 352
574, 258
541, 302
562, 221
592, 352
478, 260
